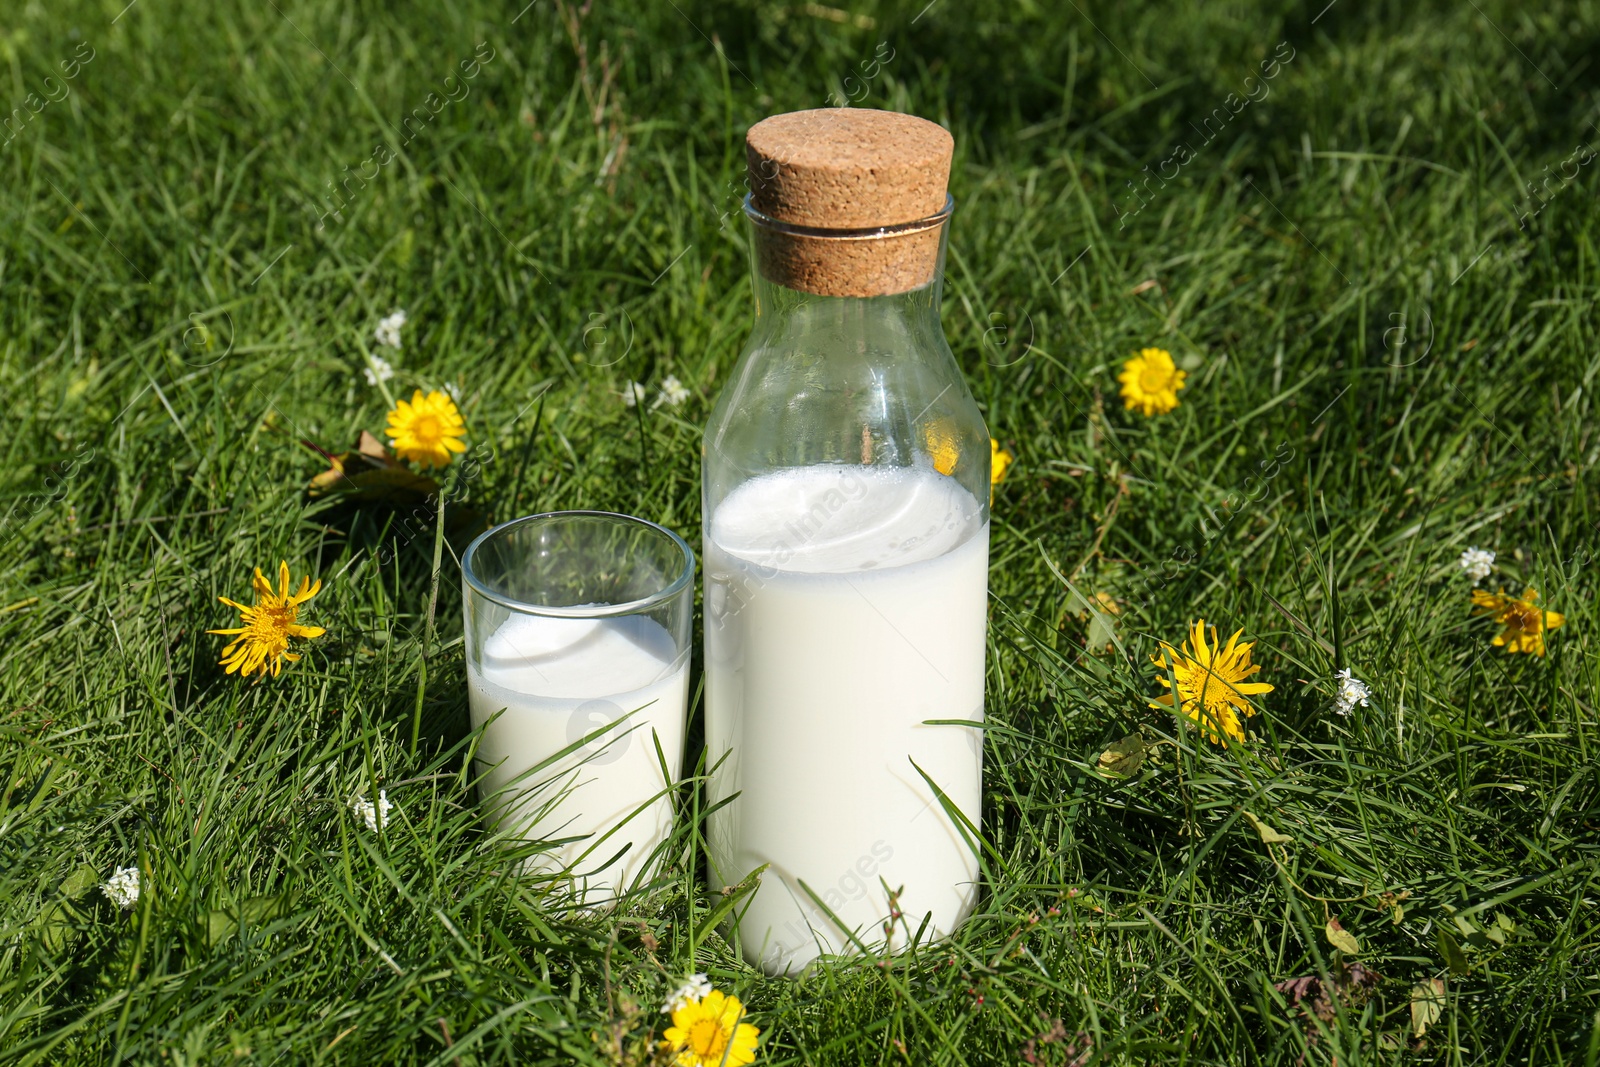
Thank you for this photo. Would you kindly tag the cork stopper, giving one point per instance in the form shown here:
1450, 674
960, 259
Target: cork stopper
849, 169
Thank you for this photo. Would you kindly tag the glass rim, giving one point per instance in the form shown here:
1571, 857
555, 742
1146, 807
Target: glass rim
582, 611
868, 233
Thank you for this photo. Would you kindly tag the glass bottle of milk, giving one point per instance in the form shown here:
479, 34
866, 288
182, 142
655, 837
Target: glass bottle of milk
846, 540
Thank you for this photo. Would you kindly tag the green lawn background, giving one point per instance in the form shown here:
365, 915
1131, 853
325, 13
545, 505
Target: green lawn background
1378, 265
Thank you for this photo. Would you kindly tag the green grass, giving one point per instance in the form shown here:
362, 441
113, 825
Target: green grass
563, 228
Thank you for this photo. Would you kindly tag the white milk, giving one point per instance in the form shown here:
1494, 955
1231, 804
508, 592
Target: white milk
844, 606
560, 680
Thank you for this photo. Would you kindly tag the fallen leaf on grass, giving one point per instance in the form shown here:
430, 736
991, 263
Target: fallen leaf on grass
368, 474
1427, 1005
1123, 759
1342, 939
1350, 985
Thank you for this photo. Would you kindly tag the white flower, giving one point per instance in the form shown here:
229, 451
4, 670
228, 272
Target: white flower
1352, 691
673, 393
455, 392
123, 888
381, 370
693, 990
632, 394
373, 815
388, 331
1477, 563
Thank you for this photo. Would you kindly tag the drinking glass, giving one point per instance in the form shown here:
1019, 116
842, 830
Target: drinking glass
578, 629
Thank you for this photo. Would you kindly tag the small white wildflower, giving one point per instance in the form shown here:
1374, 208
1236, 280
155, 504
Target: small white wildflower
1352, 691
1477, 562
381, 370
388, 331
673, 393
695, 989
123, 887
373, 815
632, 394
454, 389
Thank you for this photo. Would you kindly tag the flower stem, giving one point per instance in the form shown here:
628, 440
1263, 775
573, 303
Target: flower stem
433, 603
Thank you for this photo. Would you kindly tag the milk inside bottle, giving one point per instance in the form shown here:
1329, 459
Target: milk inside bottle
845, 486
845, 609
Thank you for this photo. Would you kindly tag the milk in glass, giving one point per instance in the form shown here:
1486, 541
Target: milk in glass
586, 673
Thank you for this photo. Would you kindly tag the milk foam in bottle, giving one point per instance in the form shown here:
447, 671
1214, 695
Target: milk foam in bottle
845, 547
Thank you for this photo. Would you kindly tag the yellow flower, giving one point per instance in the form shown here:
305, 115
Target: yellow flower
1150, 382
262, 643
940, 438
708, 1033
1211, 681
999, 460
1524, 624
427, 429
945, 451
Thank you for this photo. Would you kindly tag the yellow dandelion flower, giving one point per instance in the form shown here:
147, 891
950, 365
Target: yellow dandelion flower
262, 643
940, 438
1212, 690
708, 1033
1525, 625
1150, 382
999, 460
427, 429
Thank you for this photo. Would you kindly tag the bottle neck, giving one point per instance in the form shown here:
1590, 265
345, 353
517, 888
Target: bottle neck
858, 289
901, 321
846, 368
